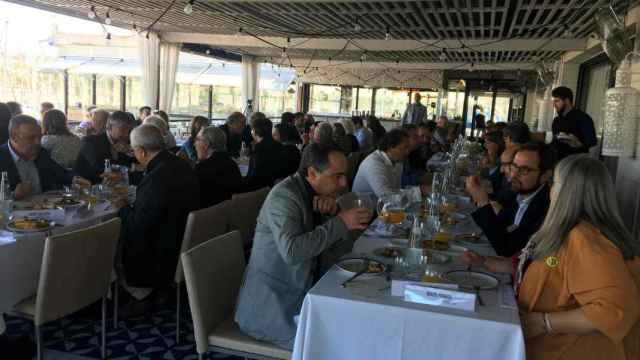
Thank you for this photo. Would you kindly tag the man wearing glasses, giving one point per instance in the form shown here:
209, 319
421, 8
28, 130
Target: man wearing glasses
509, 229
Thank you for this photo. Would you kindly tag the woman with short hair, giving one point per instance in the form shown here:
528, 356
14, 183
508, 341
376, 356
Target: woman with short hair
61, 144
577, 278
217, 173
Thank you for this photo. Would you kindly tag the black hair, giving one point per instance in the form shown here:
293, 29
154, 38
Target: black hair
261, 126
392, 139
518, 132
547, 154
287, 118
356, 120
496, 138
146, 109
409, 127
317, 156
562, 92
121, 118
429, 125
5, 116
287, 132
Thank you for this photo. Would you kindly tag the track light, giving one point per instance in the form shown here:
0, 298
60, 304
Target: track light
92, 13
188, 8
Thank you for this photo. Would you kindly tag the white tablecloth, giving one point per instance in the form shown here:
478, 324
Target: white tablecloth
21, 257
363, 321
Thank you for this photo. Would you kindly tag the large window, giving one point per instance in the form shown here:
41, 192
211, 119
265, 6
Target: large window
455, 103
365, 96
226, 99
108, 92
391, 103
191, 100
80, 95
135, 99
274, 102
324, 99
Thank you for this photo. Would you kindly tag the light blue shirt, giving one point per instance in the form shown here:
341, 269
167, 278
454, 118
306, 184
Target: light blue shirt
27, 170
523, 205
365, 139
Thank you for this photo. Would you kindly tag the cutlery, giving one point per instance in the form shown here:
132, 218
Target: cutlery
477, 289
362, 271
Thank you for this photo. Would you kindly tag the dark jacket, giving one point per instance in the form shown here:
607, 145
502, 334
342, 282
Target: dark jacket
265, 164
496, 178
94, 149
506, 241
234, 142
219, 178
290, 159
52, 175
578, 123
152, 229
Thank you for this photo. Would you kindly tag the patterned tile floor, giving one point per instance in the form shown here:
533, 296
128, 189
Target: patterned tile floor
150, 337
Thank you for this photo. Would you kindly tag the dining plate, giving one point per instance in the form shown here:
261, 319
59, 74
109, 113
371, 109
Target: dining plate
436, 257
29, 225
389, 252
352, 266
472, 279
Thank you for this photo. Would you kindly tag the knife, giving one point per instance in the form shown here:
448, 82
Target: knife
362, 271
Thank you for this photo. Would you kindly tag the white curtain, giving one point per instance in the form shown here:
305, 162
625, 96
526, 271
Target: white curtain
149, 49
169, 57
250, 81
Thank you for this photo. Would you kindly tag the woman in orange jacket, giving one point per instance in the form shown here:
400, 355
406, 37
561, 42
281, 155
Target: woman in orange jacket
578, 278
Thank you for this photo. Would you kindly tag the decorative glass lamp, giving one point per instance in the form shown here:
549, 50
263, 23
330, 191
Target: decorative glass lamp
621, 115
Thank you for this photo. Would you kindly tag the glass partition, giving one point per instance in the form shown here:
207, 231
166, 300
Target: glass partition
108, 92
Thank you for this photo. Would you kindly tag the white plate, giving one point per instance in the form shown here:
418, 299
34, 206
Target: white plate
399, 241
472, 279
352, 266
11, 228
456, 248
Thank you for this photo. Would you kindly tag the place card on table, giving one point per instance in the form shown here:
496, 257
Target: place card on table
398, 286
508, 297
440, 297
56, 215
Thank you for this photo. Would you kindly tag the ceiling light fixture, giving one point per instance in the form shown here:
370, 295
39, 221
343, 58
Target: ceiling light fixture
92, 13
188, 8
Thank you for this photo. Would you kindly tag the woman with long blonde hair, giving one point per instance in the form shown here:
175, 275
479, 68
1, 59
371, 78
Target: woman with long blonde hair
578, 277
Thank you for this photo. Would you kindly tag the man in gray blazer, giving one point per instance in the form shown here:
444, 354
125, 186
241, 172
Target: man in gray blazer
414, 113
290, 238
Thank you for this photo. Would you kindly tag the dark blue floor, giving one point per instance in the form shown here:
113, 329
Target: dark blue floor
147, 337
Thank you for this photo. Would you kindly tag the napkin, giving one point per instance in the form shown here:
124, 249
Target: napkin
398, 286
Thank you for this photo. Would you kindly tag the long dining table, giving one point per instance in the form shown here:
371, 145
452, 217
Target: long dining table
21, 255
365, 321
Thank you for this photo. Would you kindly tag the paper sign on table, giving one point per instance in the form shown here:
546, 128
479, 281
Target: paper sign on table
398, 286
508, 297
56, 215
440, 297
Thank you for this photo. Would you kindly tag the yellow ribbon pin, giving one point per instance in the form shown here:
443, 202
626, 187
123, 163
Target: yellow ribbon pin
552, 261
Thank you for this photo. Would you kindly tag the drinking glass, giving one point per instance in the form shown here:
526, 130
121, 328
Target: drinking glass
392, 207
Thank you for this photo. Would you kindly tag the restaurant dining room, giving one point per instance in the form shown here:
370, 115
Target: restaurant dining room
320, 179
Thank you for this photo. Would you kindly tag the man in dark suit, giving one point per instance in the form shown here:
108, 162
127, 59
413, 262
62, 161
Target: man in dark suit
265, 164
152, 228
509, 229
112, 145
30, 168
237, 133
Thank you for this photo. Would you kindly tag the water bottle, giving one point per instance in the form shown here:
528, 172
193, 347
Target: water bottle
107, 170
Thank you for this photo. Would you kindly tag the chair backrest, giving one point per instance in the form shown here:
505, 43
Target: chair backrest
203, 225
76, 270
353, 163
245, 208
213, 272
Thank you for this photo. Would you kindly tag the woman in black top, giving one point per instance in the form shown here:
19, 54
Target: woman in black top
286, 135
217, 173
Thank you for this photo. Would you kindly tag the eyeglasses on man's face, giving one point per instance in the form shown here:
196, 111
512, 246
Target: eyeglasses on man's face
521, 170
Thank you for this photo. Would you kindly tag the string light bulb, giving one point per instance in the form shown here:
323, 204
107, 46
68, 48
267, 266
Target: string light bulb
207, 52
284, 52
92, 13
134, 27
471, 67
387, 35
107, 18
363, 57
567, 32
188, 8
239, 32
356, 25
443, 55
108, 37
